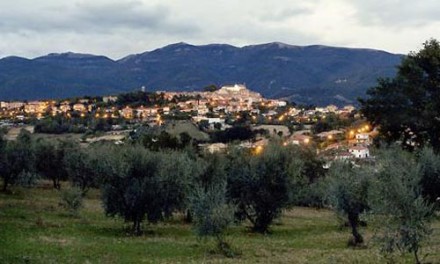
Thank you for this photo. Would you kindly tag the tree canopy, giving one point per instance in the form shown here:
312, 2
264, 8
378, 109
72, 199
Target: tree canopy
407, 107
398, 201
348, 193
261, 185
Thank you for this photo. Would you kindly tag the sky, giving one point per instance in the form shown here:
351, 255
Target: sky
117, 28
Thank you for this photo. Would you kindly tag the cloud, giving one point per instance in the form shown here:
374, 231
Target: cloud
396, 13
117, 28
133, 15
285, 13
101, 18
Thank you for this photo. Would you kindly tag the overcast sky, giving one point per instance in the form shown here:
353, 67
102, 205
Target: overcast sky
113, 28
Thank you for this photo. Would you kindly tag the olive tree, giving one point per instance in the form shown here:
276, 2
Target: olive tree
429, 163
348, 189
212, 215
261, 184
130, 187
82, 168
405, 215
139, 184
17, 164
176, 172
49, 158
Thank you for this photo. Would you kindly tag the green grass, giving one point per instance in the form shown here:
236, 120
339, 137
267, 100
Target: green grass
34, 228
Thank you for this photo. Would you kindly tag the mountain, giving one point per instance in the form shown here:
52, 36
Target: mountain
304, 74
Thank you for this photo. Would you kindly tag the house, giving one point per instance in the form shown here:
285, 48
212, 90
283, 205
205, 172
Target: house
360, 152
349, 108
277, 103
334, 146
363, 138
332, 108
166, 110
299, 139
216, 147
343, 155
294, 111
202, 109
321, 110
79, 107
15, 105
35, 107
127, 112
107, 99
65, 107
144, 112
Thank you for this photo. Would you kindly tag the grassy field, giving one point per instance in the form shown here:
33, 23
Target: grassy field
34, 228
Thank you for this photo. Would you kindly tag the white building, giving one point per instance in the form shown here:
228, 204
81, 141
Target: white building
359, 152
15, 105
299, 139
107, 99
216, 147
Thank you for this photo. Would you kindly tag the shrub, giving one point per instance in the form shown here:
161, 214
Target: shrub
72, 200
398, 201
348, 193
212, 215
264, 183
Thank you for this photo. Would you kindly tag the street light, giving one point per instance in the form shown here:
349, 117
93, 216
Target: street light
258, 150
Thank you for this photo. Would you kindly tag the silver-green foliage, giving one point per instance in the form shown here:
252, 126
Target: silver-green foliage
429, 163
212, 215
348, 193
72, 200
17, 161
405, 214
262, 184
140, 184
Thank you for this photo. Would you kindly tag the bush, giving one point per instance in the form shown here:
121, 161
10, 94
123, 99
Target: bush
404, 213
72, 200
139, 184
264, 183
27, 179
212, 215
17, 160
348, 193
429, 164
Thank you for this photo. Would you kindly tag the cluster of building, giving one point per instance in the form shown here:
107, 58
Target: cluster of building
227, 100
214, 108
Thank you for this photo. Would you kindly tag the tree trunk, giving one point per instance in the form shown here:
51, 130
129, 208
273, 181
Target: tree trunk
5, 184
188, 216
354, 221
137, 227
262, 223
56, 184
416, 256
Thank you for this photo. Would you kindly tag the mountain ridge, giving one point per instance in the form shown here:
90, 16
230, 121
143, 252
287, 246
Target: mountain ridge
314, 74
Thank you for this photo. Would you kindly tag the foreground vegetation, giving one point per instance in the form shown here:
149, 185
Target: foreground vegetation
191, 197
34, 228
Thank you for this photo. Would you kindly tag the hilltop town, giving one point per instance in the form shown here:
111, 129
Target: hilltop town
335, 133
